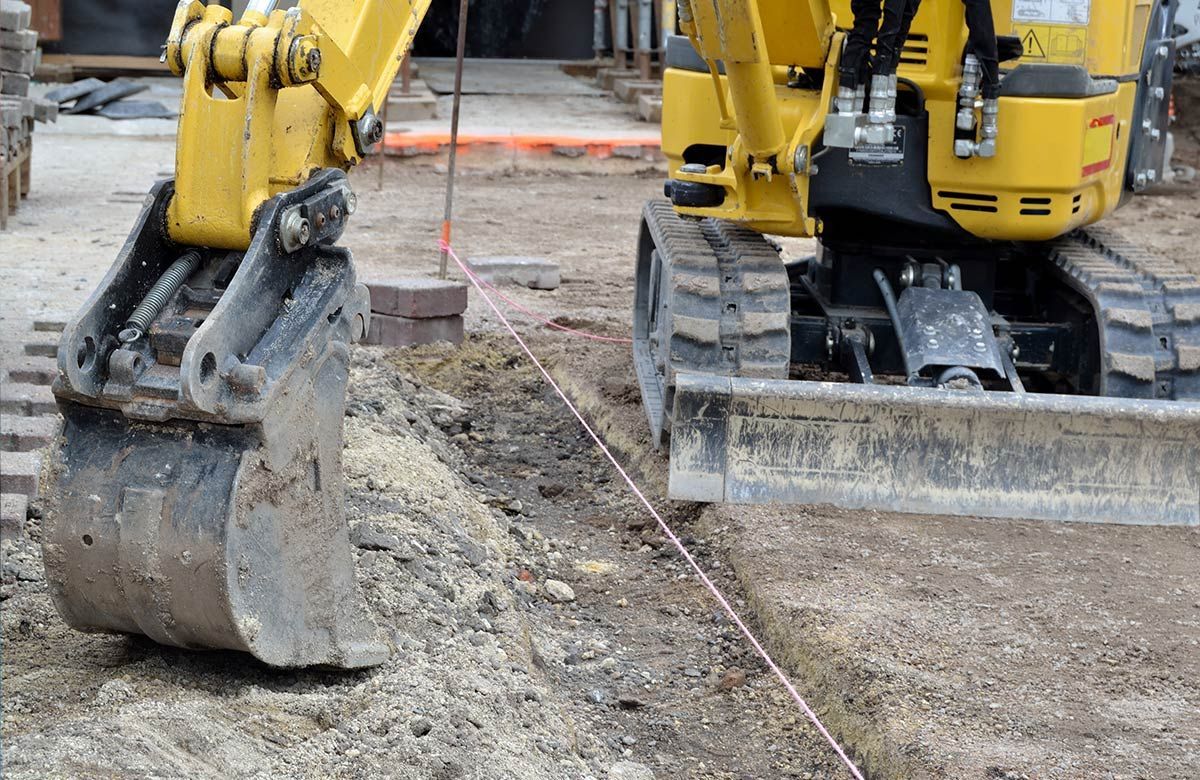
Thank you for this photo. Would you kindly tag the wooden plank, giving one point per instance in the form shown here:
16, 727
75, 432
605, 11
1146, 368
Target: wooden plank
83, 65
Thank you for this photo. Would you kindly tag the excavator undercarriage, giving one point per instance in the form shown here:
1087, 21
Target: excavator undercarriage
1032, 393
964, 341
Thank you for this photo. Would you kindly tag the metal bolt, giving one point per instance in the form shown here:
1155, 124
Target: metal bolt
304, 59
372, 130
295, 230
351, 203
800, 161
908, 275
697, 168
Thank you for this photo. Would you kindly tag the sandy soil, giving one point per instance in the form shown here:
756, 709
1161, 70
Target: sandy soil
935, 647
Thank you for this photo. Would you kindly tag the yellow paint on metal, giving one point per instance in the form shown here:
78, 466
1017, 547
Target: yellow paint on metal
1043, 154
1048, 148
257, 119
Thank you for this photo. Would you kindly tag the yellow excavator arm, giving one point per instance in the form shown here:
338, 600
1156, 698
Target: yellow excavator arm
197, 496
273, 99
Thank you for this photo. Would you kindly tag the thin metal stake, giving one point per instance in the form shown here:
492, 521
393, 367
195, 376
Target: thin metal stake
458, 73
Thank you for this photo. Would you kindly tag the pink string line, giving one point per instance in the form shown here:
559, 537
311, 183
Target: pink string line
478, 280
716, 592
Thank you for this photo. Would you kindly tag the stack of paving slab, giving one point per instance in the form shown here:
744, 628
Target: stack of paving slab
29, 420
19, 56
645, 95
406, 312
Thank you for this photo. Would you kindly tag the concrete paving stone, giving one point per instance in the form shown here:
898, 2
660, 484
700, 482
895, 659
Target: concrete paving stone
33, 370
536, 273
14, 508
650, 108
418, 104
41, 345
17, 61
606, 77
569, 150
26, 399
22, 40
45, 111
20, 473
629, 90
14, 15
50, 323
26, 434
629, 152
14, 84
416, 297
389, 331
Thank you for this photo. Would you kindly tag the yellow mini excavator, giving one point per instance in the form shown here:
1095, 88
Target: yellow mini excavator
197, 497
963, 342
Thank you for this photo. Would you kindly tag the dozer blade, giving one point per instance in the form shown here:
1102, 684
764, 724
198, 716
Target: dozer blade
197, 495
889, 448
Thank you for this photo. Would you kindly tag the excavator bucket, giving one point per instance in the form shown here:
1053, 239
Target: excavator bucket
931, 451
197, 495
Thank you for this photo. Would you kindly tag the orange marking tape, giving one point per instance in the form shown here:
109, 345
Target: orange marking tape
596, 147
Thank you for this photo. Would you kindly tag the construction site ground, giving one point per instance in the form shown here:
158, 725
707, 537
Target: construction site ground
933, 647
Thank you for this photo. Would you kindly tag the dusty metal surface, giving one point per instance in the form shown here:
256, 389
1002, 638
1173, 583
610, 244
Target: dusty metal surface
906, 449
197, 495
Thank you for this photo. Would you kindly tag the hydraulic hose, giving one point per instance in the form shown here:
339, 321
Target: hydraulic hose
853, 69
889, 302
906, 21
889, 42
981, 41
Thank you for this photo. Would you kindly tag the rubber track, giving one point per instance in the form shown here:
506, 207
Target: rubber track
728, 309
730, 305
1148, 310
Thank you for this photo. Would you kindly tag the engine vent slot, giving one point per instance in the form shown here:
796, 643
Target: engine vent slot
1040, 206
915, 51
971, 201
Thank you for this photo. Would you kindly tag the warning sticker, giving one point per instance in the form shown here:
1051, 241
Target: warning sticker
1098, 144
1052, 11
1053, 43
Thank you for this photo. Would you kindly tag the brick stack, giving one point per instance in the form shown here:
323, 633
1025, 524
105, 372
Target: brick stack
19, 57
29, 420
407, 312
